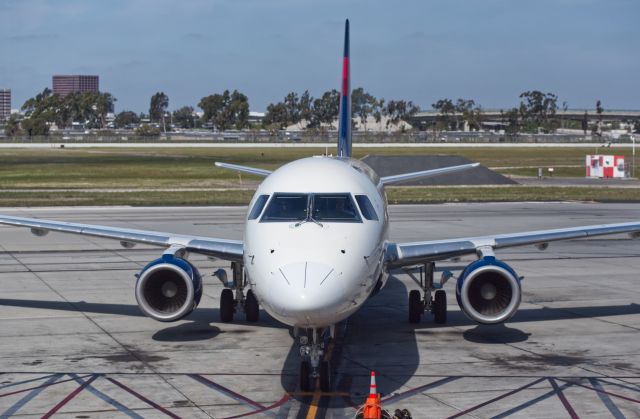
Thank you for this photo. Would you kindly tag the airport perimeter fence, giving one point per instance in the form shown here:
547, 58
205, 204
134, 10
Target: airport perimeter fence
311, 137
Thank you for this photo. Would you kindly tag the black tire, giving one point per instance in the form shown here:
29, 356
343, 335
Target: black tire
251, 307
440, 307
226, 305
415, 307
325, 376
305, 376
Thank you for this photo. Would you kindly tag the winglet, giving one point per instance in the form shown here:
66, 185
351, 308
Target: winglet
344, 127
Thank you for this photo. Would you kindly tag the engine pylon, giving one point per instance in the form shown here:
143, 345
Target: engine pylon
372, 408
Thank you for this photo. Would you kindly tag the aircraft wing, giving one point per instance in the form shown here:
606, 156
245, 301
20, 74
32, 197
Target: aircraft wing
246, 169
223, 249
403, 254
426, 173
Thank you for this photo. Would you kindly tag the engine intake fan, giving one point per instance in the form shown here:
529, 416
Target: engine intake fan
488, 291
168, 289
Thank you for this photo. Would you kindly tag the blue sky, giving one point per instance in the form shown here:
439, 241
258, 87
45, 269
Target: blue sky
422, 50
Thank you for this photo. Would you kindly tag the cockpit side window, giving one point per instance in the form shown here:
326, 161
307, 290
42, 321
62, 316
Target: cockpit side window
366, 207
334, 207
258, 207
287, 207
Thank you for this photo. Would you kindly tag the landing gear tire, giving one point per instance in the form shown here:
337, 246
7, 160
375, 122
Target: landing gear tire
325, 376
305, 376
440, 307
251, 308
226, 305
415, 306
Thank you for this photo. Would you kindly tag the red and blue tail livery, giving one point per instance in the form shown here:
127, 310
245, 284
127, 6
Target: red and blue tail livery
344, 127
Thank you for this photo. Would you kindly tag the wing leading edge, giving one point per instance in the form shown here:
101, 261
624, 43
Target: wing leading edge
246, 169
403, 254
220, 248
426, 173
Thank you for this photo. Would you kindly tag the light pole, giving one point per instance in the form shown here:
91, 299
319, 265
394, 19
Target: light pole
633, 153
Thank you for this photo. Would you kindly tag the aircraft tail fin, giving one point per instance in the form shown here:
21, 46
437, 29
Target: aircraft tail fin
344, 127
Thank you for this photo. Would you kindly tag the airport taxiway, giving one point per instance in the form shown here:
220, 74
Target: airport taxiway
73, 342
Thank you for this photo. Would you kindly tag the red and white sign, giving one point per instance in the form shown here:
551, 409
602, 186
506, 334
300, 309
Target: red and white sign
605, 166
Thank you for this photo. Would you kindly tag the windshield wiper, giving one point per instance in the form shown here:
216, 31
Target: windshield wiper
309, 212
315, 221
306, 220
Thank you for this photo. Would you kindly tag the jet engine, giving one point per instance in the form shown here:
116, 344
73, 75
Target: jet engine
168, 288
488, 291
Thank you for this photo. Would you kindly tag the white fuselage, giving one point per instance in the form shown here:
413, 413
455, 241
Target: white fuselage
316, 274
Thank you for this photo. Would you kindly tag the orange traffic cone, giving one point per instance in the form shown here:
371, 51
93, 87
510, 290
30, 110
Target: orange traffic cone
372, 408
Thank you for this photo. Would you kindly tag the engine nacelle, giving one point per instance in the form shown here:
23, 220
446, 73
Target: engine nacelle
168, 288
488, 291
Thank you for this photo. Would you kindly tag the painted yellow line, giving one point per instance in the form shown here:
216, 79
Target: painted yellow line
313, 408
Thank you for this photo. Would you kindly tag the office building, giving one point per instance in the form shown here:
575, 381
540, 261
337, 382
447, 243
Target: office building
5, 104
65, 84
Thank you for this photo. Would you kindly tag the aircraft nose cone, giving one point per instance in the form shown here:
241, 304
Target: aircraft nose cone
306, 290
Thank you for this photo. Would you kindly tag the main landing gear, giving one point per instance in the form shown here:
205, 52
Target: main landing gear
232, 296
313, 344
435, 298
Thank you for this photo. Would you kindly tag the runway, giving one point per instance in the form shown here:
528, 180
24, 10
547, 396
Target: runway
73, 341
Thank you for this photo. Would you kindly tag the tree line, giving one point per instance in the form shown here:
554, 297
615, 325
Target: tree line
220, 111
90, 108
313, 112
451, 114
536, 112
230, 110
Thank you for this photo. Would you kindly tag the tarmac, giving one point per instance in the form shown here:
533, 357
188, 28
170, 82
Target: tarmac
73, 342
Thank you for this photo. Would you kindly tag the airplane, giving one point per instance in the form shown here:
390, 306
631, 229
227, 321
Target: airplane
316, 248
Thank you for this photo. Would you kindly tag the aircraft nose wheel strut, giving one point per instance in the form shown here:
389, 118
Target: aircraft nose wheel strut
313, 365
433, 298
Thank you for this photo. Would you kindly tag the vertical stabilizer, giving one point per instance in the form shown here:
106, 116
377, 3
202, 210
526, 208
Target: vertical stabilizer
344, 127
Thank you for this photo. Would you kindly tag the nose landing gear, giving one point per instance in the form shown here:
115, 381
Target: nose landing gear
313, 366
232, 296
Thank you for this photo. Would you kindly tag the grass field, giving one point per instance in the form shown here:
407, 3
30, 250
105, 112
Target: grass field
102, 176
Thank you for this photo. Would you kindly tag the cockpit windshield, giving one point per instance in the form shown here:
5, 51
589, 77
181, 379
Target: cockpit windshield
287, 207
334, 207
323, 207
